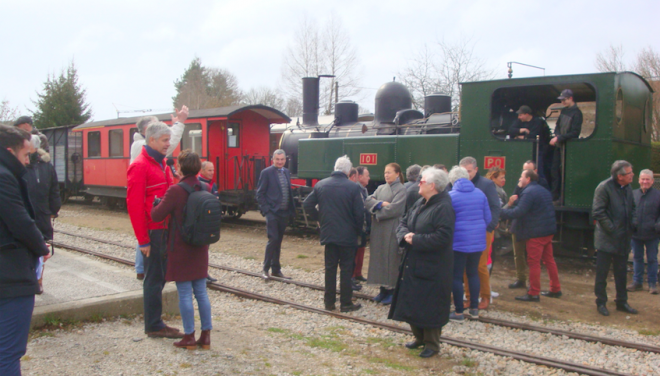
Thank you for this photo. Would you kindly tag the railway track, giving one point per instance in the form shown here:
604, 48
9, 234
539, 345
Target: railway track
530, 358
486, 320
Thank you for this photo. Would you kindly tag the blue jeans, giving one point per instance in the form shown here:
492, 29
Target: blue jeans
185, 290
15, 317
651, 258
139, 260
468, 263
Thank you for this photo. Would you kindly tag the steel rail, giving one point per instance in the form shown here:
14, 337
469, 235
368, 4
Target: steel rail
568, 366
486, 320
529, 358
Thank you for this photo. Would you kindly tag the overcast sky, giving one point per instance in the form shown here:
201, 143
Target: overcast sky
128, 53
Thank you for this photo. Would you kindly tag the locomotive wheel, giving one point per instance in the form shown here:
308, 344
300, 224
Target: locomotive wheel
89, 199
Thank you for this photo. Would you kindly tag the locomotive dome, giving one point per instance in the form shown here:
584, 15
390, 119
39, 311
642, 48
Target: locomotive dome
390, 98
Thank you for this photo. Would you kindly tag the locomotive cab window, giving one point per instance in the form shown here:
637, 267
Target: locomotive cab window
116, 142
232, 135
94, 144
192, 138
544, 105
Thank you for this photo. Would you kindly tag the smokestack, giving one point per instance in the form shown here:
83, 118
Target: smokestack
310, 86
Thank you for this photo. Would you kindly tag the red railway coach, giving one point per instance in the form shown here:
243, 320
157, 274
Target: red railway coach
235, 138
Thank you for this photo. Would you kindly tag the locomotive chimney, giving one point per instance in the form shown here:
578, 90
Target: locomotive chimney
310, 89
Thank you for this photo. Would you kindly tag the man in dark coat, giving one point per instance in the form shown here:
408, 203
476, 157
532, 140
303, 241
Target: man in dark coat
206, 176
275, 200
646, 235
362, 181
44, 191
412, 185
487, 186
536, 225
569, 126
422, 297
341, 215
21, 245
527, 127
614, 212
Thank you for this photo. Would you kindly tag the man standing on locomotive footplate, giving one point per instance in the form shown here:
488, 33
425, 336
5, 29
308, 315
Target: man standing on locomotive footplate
275, 200
569, 125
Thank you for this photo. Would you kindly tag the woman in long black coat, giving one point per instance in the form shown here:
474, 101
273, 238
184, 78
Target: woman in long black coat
423, 292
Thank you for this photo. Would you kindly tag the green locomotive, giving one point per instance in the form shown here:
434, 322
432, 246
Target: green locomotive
617, 110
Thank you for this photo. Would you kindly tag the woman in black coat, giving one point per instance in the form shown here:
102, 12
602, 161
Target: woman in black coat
423, 292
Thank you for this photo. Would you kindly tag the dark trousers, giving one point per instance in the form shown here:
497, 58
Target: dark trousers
15, 316
468, 263
555, 172
155, 267
359, 260
343, 257
429, 336
619, 263
275, 226
519, 248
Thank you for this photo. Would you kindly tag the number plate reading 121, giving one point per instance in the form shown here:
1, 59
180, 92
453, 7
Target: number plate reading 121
494, 162
368, 159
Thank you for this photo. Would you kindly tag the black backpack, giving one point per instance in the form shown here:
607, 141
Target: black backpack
201, 216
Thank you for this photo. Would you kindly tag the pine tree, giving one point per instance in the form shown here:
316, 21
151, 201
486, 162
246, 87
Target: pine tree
201, 87
62, 101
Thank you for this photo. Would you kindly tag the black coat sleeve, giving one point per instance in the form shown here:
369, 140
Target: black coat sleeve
16, 218
574, 130
443, 232
402, 229
54, 200
262, 189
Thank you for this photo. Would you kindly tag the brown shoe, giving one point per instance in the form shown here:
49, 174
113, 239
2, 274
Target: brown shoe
633, 286
205, 340
166, 332
279, 275
188, 342
140, 276
484, 303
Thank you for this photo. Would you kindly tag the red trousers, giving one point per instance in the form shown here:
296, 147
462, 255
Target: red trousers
541, 249
359, 258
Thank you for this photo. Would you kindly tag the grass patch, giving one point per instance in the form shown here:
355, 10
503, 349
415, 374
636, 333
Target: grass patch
54, 322
96, 318
391, 364
648, 332
185, 365
302, 256
385, 342
249, 258
26, 358
467, 362
277, 330
369, 371
327, 343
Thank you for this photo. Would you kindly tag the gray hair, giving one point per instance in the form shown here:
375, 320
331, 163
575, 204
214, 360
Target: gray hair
646, 171
343, 164
157, 130
206, 163
424, 168
412, 172
144, 121
437, 177
35, 141
619, 168
458, 172
278, 152
468, 161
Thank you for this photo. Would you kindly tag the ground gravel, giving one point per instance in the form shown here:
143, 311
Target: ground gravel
260, 338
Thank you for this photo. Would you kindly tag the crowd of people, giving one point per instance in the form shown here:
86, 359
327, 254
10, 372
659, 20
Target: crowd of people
430, 233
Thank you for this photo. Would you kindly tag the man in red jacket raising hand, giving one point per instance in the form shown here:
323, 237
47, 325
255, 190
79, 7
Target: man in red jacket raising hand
148, 178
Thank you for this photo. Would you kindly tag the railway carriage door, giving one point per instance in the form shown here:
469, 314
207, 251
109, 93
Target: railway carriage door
216, 151
225, 153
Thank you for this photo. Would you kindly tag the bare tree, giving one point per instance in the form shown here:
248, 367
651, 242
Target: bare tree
7, 113
611, 60
315, 52
442, 69
421, 76
648, 66
265, 96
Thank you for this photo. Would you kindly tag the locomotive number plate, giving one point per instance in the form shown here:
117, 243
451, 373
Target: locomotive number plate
368, 159
494, 162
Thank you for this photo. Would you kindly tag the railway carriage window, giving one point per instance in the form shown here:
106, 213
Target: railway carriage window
131, 133
619, 106
232, 135
94, 144
116, 140
192, 138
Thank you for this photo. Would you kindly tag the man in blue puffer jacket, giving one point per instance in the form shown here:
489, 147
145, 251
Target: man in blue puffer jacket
472, 218
536, 225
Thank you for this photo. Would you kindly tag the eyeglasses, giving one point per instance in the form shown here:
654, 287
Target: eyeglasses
424, 182
627, 173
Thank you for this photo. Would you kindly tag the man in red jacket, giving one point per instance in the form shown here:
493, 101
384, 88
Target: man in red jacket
148, 178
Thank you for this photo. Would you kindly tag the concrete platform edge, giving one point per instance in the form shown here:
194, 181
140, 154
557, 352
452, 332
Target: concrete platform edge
126, 303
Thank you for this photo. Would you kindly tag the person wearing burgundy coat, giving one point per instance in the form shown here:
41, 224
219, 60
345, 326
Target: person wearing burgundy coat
187, 265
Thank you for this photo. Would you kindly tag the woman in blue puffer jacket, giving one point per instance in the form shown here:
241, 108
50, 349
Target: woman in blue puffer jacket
472, 217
